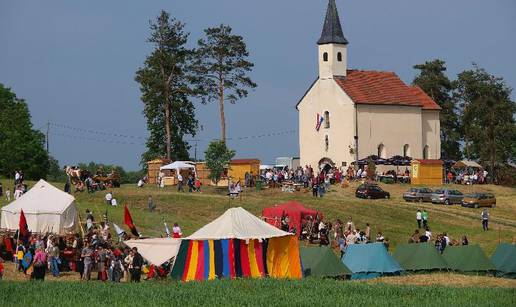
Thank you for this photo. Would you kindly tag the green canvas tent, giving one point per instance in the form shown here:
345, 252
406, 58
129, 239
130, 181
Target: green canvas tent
504, 259
370, 261
468, 259
321, 262
419, 257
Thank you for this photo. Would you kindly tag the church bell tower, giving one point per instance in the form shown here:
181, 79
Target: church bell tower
332, 45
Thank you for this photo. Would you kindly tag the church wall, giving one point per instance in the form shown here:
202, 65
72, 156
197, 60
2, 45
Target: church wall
431, 127
325, 95
392, 126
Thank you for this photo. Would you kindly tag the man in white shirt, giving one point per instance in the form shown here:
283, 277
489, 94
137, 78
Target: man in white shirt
179, 182
16, 177
418, 218
109, 198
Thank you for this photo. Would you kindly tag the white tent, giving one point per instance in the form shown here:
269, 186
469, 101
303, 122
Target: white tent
156, 250
178, 165
467, 163
46, 208
237, 223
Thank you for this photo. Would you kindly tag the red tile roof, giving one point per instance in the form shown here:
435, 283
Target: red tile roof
382, 88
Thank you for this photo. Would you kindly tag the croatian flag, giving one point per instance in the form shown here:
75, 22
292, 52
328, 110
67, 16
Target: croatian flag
319, 122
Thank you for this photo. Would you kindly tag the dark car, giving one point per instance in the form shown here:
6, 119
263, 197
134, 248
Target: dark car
447, 197
418, 194
479, 200
371, 191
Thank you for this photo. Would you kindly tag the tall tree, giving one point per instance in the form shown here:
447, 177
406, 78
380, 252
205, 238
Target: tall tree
217, 158
164, 83
21, 147
488, 116
221, 68
433, 81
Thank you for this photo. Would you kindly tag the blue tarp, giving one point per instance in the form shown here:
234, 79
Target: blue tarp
370, 261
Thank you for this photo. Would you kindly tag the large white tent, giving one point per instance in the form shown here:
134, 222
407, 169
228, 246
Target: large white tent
156, 250
178, 165
46, 208
237, 223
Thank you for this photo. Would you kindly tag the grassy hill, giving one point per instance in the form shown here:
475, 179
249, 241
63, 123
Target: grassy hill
394, 217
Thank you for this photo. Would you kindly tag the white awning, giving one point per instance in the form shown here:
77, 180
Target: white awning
156, 250
178, 165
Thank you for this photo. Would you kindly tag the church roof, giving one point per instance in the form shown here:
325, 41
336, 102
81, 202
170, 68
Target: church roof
332, 31
382, 88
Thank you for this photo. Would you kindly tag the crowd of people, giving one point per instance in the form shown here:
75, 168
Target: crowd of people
467, 176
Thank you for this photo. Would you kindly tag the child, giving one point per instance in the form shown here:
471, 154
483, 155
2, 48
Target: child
198, 185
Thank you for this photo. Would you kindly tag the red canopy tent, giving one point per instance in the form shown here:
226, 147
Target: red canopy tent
296, 212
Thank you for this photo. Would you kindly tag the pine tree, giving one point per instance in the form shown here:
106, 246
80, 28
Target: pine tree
221, 68
164, 83
217, 158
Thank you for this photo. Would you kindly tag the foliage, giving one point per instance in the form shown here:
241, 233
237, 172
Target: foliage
221, 68
488, 116
243, 292
217, 158
55, 172
371, 169
21, 146
164, 83
434, 82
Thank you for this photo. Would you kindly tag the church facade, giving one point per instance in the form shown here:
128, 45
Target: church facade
350, 114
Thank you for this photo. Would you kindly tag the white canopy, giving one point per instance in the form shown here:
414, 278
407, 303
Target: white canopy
178, 165
46, 208
467, 163
157, 250
237, 223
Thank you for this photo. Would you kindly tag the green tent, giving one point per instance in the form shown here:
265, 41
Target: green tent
504, 259
321, 262
467, 258
419, 257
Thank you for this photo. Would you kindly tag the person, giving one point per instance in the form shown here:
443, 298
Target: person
140, 183
20, 252
350, 225
368, 232
40, 264
176, 231
1, 268
379, 237
285, 221
415, 237
102, 258
446, 239
465, 240
190, 183
1, 190
428, 233
109, 198
89, 220
128, 261
485, 219
150, 204
342, 246
117, 269
418, 218
198, 185
424, 216
8, 194
53, 253
86, 255
114, 203
137, 266
16, 177
179, 182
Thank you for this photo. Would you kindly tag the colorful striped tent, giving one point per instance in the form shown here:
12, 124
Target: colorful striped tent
242, 246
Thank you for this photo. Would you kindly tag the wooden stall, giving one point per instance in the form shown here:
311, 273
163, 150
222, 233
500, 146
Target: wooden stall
153, 169
203, 174
238, 168
428, 172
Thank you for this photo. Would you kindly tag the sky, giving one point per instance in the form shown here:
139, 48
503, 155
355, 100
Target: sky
74, 62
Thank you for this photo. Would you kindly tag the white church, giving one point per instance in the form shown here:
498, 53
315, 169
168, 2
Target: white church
349, 114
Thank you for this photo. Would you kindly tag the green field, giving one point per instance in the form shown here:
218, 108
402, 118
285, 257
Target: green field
268, 292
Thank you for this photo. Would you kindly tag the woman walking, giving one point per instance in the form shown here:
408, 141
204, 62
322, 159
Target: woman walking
40, 264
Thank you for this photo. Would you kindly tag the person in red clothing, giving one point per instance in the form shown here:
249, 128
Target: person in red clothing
176, 231
1, 268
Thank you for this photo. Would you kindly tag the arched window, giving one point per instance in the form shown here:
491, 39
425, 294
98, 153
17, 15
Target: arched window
339, 56
326, 143
426, 152
325, 56
406, 150
326, 119
382, 152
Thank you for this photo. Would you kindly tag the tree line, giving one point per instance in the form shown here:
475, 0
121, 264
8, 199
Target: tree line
477, 116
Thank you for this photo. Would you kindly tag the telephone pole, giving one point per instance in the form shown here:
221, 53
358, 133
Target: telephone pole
48, 132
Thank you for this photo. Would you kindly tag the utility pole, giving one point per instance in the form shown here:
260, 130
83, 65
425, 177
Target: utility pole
48, 132
195, 151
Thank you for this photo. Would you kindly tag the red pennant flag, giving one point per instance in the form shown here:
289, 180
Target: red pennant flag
128, 220
22, 226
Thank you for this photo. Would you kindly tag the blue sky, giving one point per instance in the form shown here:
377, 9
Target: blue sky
74, 62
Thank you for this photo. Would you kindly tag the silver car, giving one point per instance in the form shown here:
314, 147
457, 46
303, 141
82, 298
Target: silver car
418, 194
447, 197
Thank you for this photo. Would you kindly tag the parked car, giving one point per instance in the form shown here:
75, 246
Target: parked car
418, 194
447, 197
476, 200
371, 191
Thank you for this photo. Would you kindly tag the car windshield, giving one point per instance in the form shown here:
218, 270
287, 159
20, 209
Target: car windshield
439, 191
474, 195
413, 190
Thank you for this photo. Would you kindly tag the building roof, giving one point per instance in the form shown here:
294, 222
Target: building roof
245, 161
382, 88
332, 31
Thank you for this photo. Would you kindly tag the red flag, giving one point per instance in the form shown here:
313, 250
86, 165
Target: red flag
128, 220
22, 226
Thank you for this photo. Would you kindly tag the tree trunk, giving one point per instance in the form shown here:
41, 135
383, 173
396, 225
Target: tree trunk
167, 126
221, 109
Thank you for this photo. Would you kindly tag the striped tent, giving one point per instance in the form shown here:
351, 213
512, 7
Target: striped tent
237, 244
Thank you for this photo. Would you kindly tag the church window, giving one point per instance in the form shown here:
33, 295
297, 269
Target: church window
326, 143
326, 120
426, 152
382, 152
406, 150
325, 56
339, 56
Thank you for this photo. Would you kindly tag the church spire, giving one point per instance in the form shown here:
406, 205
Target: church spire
332, 31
